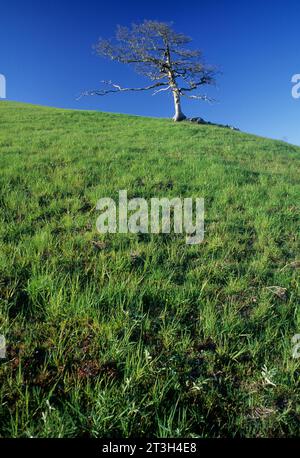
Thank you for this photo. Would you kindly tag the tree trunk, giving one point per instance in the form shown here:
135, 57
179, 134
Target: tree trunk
178, 116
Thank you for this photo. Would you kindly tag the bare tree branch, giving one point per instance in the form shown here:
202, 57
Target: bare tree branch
118, 88
162, 89
199, 97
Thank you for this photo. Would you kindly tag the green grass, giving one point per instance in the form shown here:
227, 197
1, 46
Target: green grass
143, 335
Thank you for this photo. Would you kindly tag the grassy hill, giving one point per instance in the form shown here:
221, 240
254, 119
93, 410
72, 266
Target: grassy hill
144, 335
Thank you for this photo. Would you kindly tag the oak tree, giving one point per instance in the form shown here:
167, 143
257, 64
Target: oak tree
163, 56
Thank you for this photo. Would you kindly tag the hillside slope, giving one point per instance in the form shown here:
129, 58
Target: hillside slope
144, 335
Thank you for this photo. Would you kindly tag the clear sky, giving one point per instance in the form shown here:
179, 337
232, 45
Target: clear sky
47, 58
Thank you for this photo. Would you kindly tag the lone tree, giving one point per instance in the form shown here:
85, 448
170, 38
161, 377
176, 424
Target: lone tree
163, 56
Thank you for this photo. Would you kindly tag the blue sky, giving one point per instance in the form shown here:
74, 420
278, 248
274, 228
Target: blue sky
47, 58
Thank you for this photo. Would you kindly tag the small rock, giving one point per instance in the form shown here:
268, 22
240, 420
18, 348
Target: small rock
293, 265
136, 259
198, 120
98, 245
278, 291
